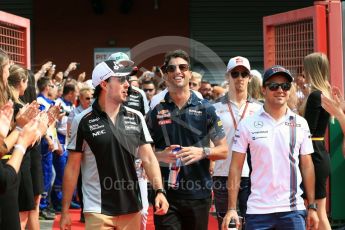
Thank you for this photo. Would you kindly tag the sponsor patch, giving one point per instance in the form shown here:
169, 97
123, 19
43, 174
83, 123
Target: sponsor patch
292, 124
195, 112
164, 122
258, 124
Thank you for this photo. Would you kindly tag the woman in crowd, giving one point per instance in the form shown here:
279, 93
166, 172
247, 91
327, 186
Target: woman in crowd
18, 82
316, 72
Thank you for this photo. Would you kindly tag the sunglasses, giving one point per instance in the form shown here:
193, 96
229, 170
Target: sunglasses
273, 86
193, 84
172, 68
148, 90
121, 79
88, 98
236, 74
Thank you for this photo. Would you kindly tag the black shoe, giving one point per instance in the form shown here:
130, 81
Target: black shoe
45, 214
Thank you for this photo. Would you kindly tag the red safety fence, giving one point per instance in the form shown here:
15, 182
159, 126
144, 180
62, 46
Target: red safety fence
15, 38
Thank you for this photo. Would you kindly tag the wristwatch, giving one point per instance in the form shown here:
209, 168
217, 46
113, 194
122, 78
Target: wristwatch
313, 206
206, 151
161, 190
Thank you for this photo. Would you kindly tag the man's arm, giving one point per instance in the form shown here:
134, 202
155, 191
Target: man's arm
308, 178
151, 166
193, 154
153, 172
234, 180
69, 183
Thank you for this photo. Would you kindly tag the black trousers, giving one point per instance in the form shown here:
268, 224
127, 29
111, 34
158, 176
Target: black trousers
185, 214
9, 210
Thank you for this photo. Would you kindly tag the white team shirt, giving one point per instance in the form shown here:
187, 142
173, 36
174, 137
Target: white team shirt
221, 167
275, 177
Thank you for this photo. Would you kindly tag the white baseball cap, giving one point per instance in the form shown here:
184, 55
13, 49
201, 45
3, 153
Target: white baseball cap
121, 58
107, 69
238, 61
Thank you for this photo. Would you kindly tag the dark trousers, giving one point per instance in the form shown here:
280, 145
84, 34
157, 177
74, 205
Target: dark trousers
220, 192
185, 214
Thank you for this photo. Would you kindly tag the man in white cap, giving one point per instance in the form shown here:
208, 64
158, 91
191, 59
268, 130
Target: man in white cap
136, 97
231, 109
105, 140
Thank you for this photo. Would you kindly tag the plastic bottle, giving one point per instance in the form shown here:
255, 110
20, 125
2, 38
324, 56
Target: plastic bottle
232, 224
174, 170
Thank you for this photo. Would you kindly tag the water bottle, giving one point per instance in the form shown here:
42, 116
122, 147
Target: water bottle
174, 170
232, 225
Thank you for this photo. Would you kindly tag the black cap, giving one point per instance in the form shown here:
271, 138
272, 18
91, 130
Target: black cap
275, 70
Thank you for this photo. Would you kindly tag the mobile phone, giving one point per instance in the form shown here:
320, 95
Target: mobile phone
53, 66
77, 65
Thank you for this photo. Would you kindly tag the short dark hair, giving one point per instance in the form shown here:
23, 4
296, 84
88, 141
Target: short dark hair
42, 83
68, 88
147, 82
175, 54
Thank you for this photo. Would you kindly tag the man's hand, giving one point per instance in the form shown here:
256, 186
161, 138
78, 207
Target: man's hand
81, 77
190, 155
65, 221
231, 214
312, 220
167, 155
161, 204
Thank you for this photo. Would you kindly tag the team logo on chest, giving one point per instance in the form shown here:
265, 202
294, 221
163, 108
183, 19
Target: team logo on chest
164, 117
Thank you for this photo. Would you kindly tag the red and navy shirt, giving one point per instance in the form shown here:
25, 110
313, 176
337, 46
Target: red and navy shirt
193, 125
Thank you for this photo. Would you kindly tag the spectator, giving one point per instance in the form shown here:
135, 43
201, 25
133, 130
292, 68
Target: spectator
195, 81
255, 85
217, 92
69, 95
316, 72
206, 90
149, 88
335, 106
136, 98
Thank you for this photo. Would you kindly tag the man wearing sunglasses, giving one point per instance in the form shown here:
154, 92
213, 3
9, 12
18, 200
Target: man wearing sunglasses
232, 108
280, 149
182, 126
105, 141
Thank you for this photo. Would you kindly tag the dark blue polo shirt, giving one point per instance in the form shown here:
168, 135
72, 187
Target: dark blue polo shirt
193, 125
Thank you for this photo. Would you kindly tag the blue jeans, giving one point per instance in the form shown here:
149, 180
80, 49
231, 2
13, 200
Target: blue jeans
220, 192
278, 221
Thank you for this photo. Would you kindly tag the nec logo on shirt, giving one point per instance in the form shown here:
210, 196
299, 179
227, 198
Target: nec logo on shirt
100, 132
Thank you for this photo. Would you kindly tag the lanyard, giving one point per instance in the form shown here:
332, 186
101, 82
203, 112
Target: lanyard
232, 114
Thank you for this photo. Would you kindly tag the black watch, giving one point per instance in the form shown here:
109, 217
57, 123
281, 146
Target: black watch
312, 206
161, 190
